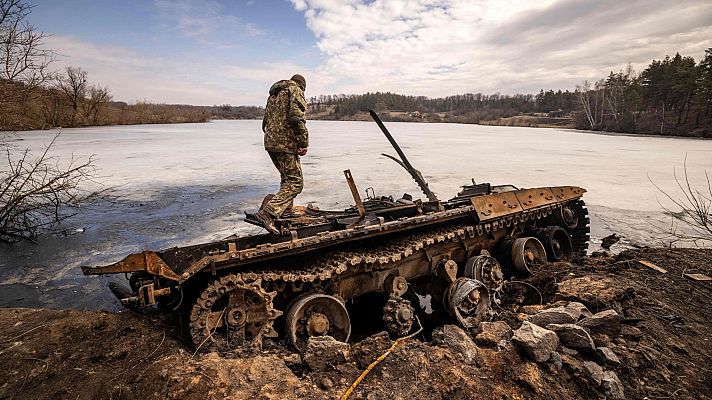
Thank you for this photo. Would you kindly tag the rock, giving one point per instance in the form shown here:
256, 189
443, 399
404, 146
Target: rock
521, 316
556, 360
601, 340
458, 341
612, 386
631, 332
609, 241
492, 333
533, 308
536, 342
556, 315
577, 310
568, 351
607, 322
573, 336
367, 350
596, 292
324, 352
327, 383
594, 372
607, 356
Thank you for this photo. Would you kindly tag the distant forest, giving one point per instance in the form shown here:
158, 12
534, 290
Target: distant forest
672, 96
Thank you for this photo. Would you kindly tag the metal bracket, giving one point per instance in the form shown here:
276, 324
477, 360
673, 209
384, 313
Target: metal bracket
354, 193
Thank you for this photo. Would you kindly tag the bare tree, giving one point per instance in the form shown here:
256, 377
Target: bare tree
97, 99
73, 85
24, 60
694, 209
583, 96
37, 194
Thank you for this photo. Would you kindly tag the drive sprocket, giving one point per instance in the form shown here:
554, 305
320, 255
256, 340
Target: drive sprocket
398, 315
232, 312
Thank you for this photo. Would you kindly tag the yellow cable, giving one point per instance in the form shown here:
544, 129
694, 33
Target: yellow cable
377, 361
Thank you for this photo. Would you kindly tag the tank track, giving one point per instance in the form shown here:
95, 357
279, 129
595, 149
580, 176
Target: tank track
327, 266
581, 235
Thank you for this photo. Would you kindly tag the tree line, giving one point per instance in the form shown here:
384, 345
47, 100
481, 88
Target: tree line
672, 96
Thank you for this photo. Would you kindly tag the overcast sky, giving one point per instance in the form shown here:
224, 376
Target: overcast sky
217, 52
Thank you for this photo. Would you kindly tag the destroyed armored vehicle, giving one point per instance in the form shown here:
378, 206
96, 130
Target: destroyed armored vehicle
308, 280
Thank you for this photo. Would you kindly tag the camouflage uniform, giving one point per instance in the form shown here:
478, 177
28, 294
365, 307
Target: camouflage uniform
284, 126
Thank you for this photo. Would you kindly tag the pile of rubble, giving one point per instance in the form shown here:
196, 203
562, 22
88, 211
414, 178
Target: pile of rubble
569, 335
563, 336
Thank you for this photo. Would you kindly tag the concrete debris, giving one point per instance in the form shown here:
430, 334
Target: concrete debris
556, 315
324, 352
612, 386
536, 342
366, 351
607, 356
573, 336
458, 340
492, 333
594, 372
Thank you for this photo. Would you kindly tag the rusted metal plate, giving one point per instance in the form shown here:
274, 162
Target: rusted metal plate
495, 205
147, 261
132, 263
565, 193
536, 197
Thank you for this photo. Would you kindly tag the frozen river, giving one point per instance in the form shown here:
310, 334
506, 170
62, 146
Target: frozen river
184, 184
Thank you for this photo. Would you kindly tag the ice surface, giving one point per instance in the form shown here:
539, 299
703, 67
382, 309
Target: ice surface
184, 184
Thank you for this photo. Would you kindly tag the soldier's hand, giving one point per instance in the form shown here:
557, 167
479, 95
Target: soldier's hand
302, 152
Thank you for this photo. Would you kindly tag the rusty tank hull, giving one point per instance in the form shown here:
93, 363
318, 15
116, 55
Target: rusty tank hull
306, 281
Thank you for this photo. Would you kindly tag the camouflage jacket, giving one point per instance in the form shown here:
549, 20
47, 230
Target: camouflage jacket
284, 123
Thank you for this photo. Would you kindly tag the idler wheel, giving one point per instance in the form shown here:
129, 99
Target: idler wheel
527, 254
467, 300
232, 313
557, 243
398, 315
485, 269
317, 315
568, 217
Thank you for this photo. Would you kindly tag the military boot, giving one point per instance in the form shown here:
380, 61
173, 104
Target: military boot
267, 221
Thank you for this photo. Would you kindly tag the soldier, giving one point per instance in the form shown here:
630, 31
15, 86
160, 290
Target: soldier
286, 139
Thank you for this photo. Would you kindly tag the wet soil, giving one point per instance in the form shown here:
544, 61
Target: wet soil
664, 348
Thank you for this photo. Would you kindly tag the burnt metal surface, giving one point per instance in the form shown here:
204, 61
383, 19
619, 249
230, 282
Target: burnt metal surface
237, 289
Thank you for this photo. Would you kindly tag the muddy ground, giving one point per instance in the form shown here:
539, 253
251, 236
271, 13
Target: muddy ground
663, 348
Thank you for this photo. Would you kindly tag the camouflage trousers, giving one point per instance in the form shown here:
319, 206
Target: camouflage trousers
291, 182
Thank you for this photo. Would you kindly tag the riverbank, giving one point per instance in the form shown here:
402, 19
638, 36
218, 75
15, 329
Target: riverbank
661, 349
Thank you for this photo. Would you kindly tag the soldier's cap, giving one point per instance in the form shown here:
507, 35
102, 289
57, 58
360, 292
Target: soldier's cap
300, 81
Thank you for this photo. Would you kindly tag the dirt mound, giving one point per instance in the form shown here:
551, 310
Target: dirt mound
620, 329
